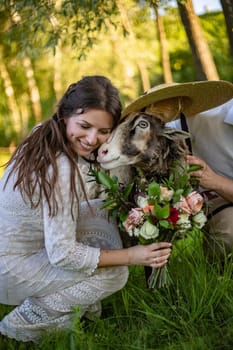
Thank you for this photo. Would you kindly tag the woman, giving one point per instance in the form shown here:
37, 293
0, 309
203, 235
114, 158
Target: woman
59, 250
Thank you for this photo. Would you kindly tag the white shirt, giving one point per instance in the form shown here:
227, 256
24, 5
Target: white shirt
212, 137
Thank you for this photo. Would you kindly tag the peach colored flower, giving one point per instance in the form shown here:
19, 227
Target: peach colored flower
183, 206
166, 194
148, 209
195, 202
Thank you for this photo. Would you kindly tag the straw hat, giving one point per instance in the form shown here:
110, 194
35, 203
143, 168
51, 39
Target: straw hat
189, 98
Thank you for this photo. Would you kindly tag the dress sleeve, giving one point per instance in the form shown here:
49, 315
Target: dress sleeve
60, 231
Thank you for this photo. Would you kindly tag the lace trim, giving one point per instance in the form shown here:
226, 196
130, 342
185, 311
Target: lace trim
14, 327
86, 293
81, 257
33, 313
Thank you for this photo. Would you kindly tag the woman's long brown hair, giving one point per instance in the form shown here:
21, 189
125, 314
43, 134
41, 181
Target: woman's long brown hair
48, 140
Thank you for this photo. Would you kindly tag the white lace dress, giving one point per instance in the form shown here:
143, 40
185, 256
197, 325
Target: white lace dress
49, 265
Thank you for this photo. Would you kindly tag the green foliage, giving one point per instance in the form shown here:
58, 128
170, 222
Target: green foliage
219, 43
117, 196
76, 23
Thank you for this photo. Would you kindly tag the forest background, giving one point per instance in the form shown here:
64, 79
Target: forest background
46, 45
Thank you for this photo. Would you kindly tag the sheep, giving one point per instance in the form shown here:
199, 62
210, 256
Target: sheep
143, 141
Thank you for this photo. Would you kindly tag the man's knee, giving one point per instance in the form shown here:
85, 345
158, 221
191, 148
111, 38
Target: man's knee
220, 226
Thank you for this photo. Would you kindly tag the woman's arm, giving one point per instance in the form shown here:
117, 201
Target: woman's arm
155, 255
211, 180
66, 253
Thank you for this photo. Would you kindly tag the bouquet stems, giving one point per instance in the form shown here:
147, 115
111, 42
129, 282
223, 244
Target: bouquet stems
159, 277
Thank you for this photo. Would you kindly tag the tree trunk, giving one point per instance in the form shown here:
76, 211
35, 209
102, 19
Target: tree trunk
32, 85
141, 66
10, 94
33, 89
167, 74
203, 60
227, 6
126, 66
57, 82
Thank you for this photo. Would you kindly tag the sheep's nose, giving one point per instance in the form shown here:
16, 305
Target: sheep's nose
103, 152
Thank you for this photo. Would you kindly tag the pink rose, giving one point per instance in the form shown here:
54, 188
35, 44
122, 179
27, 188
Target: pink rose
195, 202
134, 219
183, 206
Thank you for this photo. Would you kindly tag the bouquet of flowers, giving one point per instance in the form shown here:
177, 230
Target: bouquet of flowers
155, 211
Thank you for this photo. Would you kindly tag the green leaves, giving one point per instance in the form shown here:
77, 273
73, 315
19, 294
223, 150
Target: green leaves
34, 25
107, 181
128, 190
180, 179
117, 195
161, 211
177, 195
154, 189
193, 167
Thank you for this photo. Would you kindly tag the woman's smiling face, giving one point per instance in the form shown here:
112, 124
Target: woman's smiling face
87, 131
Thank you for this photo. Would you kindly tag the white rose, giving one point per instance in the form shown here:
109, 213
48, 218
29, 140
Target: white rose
142, 202
149, 231
184, 222
199, 219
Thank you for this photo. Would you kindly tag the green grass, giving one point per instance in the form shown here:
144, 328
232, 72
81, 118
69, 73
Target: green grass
194, 313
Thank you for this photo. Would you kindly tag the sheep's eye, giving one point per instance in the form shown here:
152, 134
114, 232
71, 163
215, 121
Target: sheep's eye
143, 124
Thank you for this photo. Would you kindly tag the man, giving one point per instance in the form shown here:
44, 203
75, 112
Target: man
212, 148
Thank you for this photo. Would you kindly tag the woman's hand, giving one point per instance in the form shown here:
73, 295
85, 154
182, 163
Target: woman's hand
154, 255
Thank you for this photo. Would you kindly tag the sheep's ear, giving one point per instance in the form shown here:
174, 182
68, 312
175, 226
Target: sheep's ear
174, 134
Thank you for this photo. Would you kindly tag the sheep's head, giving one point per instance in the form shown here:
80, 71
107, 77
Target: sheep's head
144, 141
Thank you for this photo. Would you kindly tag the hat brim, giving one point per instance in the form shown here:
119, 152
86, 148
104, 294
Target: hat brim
198, 96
